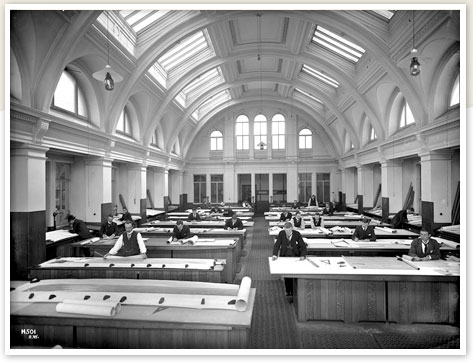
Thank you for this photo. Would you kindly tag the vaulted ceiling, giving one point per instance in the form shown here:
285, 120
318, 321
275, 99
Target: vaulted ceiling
181, 69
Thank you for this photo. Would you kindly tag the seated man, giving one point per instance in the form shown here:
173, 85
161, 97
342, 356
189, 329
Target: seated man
215, 209
109, 228
298, 221
364, 232
228, 212
315, 221
289, 243
126, 215
296, 204
180, 231
328, 210
194, 216
129, 243
285, 216
233, 223
424, 248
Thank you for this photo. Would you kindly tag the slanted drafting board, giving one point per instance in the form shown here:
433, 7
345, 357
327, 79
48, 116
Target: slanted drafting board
56, 291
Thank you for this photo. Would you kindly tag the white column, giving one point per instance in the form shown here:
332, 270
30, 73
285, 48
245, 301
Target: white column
348, 184
98, 179
28, 178
253, 190
391, 183
270, 186
291, 183
365, 184
136, 187
436, 174
158, 191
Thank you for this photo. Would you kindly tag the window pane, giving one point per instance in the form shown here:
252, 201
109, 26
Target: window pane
82, 109
455, 96
64, 96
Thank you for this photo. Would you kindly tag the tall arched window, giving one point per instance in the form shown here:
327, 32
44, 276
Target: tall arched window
242, 132
260, 128
455, 94
68, 95
216, 141
372, 134
124, 123
305, 139
407, 117
278, 131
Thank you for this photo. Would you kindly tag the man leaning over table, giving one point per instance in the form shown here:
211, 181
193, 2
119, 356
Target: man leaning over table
289, 243
424, 248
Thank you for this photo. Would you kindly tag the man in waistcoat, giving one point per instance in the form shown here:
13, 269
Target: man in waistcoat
129, 243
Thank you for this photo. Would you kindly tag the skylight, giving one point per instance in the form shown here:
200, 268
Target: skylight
337, 44
211, 103
308, 95
199, 85
183, 51
140, 19
387, 14
319, 75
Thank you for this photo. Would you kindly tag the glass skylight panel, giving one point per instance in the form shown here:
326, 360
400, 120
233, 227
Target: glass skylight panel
206, 80
212, 103
319, 75
139, 19
184, 50
337, 44
387, 14
308, 95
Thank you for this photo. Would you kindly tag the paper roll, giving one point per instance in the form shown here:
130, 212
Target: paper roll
243, 294
115, 305
96, 310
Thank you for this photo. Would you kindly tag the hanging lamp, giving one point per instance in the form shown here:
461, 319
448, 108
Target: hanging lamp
108, 75
414, 67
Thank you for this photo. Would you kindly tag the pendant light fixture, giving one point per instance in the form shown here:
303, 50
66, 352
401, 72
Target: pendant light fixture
415, 65
105, 75
261, 144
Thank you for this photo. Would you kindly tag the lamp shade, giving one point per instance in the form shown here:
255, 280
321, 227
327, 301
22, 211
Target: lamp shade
102, 74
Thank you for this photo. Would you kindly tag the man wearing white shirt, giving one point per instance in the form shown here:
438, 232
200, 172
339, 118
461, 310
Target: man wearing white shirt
129, 243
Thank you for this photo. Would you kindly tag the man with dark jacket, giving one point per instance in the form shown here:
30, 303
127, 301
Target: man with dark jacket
424, 248
289, 243
78, 226
364, 232
180, 231
109, 228
233, 223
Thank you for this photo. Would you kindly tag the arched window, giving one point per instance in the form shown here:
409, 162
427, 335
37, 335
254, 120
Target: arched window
216, 140
68, 95
372, 134
407, 117
260, 128
305, 139
124, 123
242, 132
278, 130
455, 94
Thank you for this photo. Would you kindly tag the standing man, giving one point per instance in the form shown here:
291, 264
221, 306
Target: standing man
129, 243
109, 228
364, 232
289, 243
424, 248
